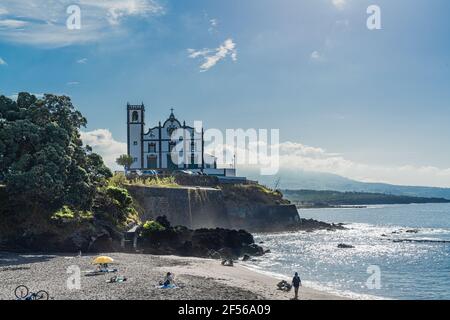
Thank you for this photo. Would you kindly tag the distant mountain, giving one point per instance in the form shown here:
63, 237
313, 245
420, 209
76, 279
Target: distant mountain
306, 180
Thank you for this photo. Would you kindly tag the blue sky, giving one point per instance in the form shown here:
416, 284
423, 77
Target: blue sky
369, 105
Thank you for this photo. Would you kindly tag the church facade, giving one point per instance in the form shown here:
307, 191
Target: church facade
154, 149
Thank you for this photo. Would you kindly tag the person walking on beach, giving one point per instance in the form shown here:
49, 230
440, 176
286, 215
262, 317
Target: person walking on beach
296, 283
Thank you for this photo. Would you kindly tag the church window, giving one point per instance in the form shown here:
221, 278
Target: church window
135, 143
135, 116
151, 147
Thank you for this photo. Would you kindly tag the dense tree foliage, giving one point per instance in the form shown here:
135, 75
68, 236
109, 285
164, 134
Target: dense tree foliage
43, 163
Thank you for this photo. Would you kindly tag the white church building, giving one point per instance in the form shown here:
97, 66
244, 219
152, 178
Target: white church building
153, 149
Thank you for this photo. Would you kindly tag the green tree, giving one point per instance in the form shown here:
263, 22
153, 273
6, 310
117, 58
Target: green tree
125, 161
42, 159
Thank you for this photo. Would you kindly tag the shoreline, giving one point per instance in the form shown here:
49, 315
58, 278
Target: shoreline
260, 282
198, 279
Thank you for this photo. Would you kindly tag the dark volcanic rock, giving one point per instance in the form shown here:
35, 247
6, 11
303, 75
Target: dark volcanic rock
420, 241
310, 225
97, 236
345, 246
284, 286
253, 250
207, 243
214, 255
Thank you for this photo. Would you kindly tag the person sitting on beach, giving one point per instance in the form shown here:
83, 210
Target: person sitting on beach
103, 267
296, 282
168, 280
117, 279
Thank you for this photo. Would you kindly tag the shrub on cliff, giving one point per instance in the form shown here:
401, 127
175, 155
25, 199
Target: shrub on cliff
120, 196
164, 182
118, 180
121, 181
150, 227
66, 214
116, 205
253, 193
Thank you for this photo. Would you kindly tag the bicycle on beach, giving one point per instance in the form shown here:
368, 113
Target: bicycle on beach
23, 293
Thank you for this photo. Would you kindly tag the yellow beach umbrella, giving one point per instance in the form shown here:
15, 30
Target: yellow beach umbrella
103, 260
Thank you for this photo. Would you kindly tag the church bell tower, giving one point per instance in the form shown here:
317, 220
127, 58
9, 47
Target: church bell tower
135, 133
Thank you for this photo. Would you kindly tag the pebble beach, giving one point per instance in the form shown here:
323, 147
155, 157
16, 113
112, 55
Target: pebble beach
197, 279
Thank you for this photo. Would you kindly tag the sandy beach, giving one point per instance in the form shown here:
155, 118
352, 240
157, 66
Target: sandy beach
198, 279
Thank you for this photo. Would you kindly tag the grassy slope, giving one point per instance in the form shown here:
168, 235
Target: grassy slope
253, 193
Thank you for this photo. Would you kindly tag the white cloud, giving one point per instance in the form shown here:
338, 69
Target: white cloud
340, 4
73, 83
82, 61
118, 9
213, 56
43, 22
295, 156
298, 156
213, 24
3, 62
12, 23
316, 56
103, 143
198, 53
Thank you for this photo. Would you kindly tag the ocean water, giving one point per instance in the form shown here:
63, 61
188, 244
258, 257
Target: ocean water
378, 267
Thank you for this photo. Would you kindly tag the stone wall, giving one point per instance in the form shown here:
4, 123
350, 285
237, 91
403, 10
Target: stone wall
191, 207
206, 208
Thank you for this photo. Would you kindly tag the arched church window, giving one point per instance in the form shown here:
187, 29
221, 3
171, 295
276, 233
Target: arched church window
135, 116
